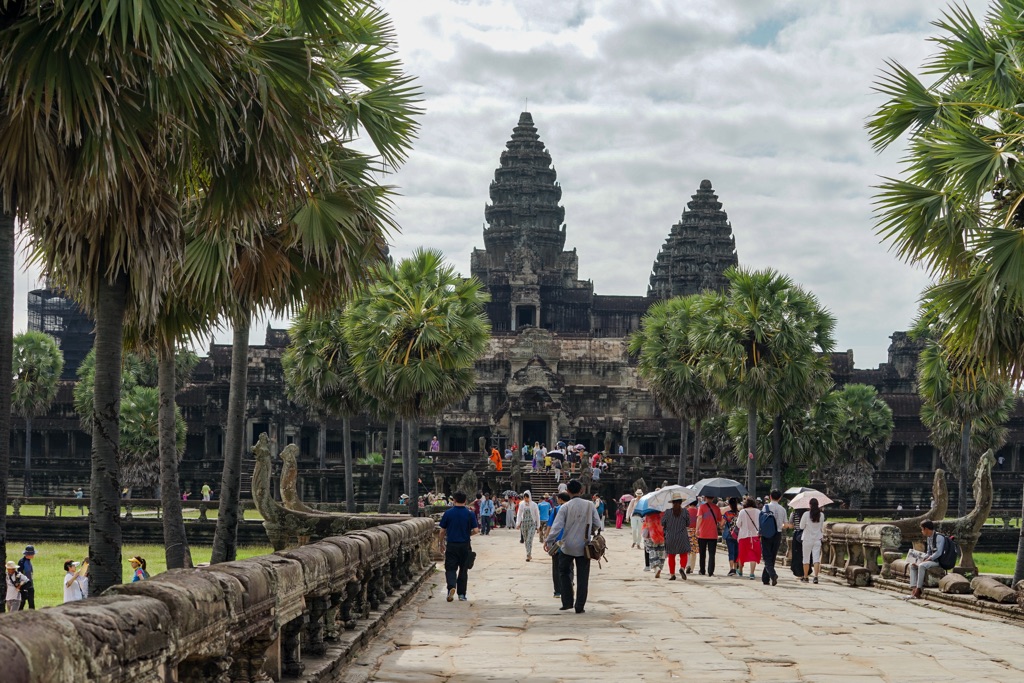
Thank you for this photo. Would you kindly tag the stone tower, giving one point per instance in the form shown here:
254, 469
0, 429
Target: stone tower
532, 281
698, 250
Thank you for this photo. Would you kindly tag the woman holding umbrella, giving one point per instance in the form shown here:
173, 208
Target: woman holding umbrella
813, 526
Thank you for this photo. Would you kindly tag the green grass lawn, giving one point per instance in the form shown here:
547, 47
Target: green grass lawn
996, 563
141, 513
50, 557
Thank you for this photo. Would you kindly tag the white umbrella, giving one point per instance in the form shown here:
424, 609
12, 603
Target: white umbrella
662, 498
804, 499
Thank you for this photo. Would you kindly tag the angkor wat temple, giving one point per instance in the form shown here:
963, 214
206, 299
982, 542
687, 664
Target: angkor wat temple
557, 365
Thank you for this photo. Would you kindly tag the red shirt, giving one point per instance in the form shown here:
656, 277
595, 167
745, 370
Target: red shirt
708, 517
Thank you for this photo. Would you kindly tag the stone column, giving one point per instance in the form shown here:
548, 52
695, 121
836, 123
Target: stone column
907, 457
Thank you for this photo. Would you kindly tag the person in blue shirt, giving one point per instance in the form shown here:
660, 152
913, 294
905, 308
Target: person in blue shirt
459, 524
28, 590
486, 514
545, 515
562, 497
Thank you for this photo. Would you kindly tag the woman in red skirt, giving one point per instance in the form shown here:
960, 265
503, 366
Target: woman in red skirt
749, 537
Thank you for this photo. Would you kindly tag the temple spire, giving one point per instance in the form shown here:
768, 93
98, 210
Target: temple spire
698, 250
524, 211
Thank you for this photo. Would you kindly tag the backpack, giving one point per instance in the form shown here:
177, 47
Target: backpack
950, 551
769, 526
596, 547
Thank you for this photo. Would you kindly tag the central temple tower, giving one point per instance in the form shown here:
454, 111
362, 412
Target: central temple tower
532, 281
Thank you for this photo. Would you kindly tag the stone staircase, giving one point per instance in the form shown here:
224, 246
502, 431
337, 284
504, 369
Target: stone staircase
542, 483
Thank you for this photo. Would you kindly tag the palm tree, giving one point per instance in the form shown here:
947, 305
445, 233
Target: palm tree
168, 100
38, 364
864, 434
668, 363
957, 209
139, 460
318, 374
962, 408
414, 334
798, 437
757, 341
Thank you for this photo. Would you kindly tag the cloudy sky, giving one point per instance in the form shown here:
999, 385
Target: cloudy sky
638, 101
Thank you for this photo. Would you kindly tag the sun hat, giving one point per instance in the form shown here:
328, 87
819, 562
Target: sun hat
11, 565
677, 495
30, 550
137, 560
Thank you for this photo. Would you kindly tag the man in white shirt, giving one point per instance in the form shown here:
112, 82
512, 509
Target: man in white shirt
575, 522
770, 545
72, 582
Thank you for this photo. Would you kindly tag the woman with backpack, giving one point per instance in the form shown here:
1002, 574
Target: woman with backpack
731, 534
749, 538
813, 526
709, 525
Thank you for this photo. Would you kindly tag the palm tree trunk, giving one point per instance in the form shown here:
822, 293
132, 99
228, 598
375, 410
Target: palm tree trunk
965, 462
321, 445
346, 450
697, 427
414, 467
6, 342
225, 538
684, 436
176, 549
388, 453
752, 451
1018, 570
403, 447
105, 482
777, 452
27, 480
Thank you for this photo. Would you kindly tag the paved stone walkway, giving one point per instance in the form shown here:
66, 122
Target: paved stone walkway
716, 628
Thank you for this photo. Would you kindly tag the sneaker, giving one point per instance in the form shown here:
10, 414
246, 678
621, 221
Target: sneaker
735, 573
557, 595
682, 575
689, 570
647, 569
815, 580
672, 578
451, 594
752, 577
732, 572
775, 580
463, 598
580, 611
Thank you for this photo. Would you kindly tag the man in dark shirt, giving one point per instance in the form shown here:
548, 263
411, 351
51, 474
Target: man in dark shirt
28, 590
459, 523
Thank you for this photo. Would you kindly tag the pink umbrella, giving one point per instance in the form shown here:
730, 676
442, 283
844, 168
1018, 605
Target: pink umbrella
626, 497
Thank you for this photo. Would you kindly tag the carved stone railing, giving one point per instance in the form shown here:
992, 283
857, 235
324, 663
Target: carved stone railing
855, 549
235, 621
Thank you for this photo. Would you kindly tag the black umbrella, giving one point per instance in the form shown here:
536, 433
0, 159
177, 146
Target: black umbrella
719, 487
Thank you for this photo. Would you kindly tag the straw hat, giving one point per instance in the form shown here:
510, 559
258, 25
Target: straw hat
11, 565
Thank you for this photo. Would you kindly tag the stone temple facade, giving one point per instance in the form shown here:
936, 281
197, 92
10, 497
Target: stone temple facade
558, 366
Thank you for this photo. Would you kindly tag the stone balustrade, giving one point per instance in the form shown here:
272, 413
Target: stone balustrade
848, 544
234, 621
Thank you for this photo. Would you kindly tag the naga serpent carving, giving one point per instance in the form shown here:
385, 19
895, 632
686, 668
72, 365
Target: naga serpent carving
289, 528
910, 528
967, 529
289, 480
